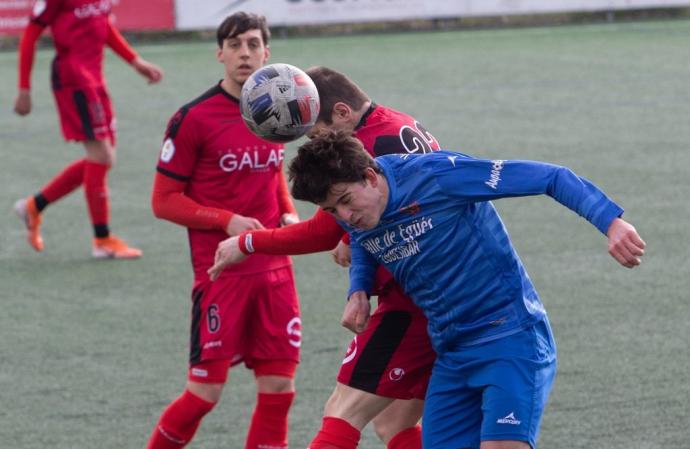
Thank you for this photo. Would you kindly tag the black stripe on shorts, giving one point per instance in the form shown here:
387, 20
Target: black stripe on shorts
83, 110
379, 350
195, 334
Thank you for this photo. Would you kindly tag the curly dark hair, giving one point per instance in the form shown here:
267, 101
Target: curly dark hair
330, 157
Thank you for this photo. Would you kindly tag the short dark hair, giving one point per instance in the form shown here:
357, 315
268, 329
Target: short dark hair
335, 87
241, 22
330, 157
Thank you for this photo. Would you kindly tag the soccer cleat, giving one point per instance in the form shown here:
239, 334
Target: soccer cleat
26, 210
113, 248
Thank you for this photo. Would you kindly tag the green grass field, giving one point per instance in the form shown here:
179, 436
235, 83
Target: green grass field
91, 352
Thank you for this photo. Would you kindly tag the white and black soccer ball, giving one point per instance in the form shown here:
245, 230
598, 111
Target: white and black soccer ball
279, 102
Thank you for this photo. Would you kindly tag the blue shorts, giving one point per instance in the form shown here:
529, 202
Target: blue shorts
493, 391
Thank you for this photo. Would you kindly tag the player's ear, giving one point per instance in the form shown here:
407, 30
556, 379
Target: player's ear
371, 176
219, 54
267, 53
341, 111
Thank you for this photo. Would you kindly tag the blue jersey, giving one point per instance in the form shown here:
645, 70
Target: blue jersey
447, 247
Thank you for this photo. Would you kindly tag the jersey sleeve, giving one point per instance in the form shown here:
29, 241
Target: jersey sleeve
285, 203
362, 270
169, 202
44, 12
119, 44
473, 180
320, 233
181, 146
27, 52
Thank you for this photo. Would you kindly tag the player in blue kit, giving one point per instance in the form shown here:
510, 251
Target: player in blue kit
429, 220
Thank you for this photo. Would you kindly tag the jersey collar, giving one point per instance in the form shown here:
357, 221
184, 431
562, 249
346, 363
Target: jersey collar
226, 94
363, 120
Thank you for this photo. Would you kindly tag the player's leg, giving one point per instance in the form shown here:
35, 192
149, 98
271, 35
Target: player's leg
217, 330
398, 424
99, 126
181, 418
518, 384
66, 181
275, 387
346, 413
272, 351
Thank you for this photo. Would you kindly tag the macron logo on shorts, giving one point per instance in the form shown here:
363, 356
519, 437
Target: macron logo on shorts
510, 419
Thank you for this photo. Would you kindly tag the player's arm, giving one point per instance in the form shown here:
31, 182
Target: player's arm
484, 180
288, 213
169, 202
362, 272
121, 47
27, 52
319, 233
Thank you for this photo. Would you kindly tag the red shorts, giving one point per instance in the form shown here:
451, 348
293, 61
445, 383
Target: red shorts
246, 318
393, 356
85, 113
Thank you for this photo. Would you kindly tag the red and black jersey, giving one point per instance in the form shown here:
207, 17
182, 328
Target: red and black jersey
80, 30
384, 130
225, 166
381, 130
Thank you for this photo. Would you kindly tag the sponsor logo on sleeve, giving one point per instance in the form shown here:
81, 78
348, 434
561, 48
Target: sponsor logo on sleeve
168, 150
495, 175
39, 7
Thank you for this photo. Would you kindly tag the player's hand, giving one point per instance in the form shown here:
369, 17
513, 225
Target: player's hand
239, 223
227, 253
342, 254
288, 219
357, 311
625, 244
151, 72
22, 105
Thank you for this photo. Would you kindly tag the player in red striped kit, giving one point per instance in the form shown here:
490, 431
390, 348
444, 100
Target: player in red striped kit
80, 29
218, 179
386, 369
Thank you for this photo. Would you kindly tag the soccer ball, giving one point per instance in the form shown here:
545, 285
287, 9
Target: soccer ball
279, 102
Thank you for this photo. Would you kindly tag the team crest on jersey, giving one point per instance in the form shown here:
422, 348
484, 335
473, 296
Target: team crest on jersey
412, 209
168, 150
39, 7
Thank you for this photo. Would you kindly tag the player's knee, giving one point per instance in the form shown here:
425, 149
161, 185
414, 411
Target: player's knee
207, 392
100, 151
275, 376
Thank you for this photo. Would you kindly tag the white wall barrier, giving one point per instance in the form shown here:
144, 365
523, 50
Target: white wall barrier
204, 14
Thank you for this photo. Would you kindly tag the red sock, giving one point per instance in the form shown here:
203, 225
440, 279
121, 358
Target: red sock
269, 427
96, 191
335, 433
179, 422
410, 438
65, 182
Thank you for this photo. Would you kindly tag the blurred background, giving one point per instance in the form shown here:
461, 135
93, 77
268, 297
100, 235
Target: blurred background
91, 352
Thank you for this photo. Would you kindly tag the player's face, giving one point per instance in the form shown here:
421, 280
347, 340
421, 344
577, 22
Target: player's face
359, 204
242, 55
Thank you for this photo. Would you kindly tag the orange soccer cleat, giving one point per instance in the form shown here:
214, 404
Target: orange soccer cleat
26, 209
112, 247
